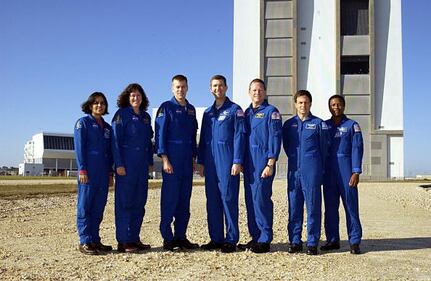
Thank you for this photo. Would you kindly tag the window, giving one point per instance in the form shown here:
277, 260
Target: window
59, 143
354, 17
355, 65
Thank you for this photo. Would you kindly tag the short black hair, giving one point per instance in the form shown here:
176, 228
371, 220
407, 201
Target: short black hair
86, 106
123, 98
340, 97
257, 80
301, 93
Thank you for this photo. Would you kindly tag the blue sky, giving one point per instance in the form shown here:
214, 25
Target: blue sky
54, 53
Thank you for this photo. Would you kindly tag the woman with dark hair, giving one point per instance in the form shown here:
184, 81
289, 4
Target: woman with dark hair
133, 157
92, 137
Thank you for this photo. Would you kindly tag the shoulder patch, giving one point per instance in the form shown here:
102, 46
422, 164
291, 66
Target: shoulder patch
117, 119
324, 126
78, 124
275, 116
356, 128
240, 113
160, 112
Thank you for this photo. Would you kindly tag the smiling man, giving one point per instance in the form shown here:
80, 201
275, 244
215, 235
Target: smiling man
175, 140
263, 141
342, 176
305, 143
220, 156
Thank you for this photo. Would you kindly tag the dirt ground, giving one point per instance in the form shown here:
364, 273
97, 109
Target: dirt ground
38, 241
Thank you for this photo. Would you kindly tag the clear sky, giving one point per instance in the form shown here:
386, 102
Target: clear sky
54, 53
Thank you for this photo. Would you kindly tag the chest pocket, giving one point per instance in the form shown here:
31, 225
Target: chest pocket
225, 127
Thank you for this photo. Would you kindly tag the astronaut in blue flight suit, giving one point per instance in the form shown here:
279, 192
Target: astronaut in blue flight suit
344, 164
175, 141
305, 141
133, 157
263, 141
220, 156
92, 139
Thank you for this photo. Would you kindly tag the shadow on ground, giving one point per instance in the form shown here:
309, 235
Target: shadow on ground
375, 245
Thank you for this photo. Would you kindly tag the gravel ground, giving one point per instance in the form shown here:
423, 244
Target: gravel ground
38, 241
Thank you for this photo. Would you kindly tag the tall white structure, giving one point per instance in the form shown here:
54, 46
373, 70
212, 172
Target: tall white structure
54, 151
347, 47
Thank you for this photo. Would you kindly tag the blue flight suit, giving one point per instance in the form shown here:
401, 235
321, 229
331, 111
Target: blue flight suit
305, 143
263, 141
93, 157
221, 145
344, 159
132, 149
176, 128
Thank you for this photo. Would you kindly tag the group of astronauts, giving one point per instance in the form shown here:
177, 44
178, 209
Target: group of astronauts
232, 141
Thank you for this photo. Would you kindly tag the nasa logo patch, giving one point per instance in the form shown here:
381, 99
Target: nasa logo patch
240, 113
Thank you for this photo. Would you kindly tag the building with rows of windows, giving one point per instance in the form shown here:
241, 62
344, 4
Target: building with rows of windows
48, 154
347, 47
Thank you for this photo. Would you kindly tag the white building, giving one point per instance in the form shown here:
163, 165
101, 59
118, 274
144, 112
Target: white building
54, 151
347, 47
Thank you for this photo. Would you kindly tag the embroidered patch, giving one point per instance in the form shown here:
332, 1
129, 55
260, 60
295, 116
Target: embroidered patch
161, 112
135, 118
221, 117
191, 112
78, 125
324, 126
275, 116
260, 115
240, 113
310, 126
117, 119
107, 133
95, 125
342, 129
356, 128
178, 111
294, 125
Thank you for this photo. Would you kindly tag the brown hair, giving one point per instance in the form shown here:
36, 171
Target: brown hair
301, 93
123, 98
219, 77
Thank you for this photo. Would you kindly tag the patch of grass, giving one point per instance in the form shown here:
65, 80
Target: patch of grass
38, 190
35, 178
13, 192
